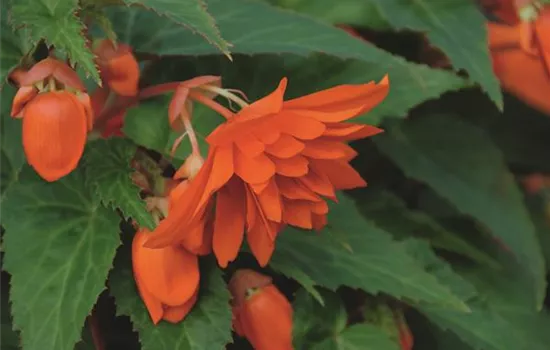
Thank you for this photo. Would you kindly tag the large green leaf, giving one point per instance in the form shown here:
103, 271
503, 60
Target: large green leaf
390, 213
56, 22
59, 246
352, 251
501, 317
207, 326
11, 153
457, 27
355, 12
108, 170
14, 44
190, 13
285, 32
459, 161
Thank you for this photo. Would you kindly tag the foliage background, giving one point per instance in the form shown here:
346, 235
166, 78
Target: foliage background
444, 231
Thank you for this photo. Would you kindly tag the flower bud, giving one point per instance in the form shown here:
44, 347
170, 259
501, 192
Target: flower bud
260, 312
119, 68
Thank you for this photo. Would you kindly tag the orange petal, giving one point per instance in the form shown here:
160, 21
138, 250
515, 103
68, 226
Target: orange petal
39, 72
292, 189
297, 213
261, 245
542, 30
175, 314
171, 274
318, 183
86, 102
206, 246
221, 172
292, 167
54, 133
350, 132
250, 146
22, 97
341, 102
503, 36
267, 135
318, 221
324, 149
301, 127
286, 146
270, 202
253, 169
256, 211
119, 68
267, 105
340, 174
230, 221
153, 305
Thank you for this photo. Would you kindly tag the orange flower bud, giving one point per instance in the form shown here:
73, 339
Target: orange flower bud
119, 68
260, 312
167, 279
55, 125
190, 167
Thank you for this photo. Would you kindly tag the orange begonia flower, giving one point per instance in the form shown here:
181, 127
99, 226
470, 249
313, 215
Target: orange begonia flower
260, 312
56, 120
521, 59
118, 66
167, 279
271, 164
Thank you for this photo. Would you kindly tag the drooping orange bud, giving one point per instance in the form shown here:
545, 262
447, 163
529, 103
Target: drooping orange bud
261, 313
54, 133
56, 118
167, 279
119, 68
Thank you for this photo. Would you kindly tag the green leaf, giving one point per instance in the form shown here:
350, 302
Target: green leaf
285, 32
11, 153
192, 14
147, 124
14, 44
56, 22
207, 326
319, 327
455, 26
390, 213
59, 246
352, 251
108, 170
460, 162
313, 322
501, 317
354, 12
359, 336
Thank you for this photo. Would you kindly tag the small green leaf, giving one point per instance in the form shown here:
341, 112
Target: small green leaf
359, 336
11, 153
108, 170
14, 44
352, 251
207, 326
457, 27
460, 162
313, 322
59, 246
56, 22
190, 13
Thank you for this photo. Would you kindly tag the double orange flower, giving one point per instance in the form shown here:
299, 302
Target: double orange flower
271, 164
